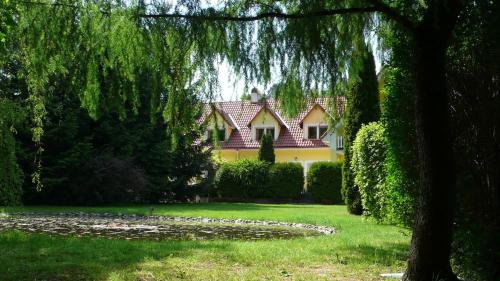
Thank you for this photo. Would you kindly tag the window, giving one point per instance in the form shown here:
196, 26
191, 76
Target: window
221, 136
259, 132
340, 143
312, 132
316, 132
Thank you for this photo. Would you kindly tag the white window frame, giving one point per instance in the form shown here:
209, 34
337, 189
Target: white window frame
317, 126
254, 131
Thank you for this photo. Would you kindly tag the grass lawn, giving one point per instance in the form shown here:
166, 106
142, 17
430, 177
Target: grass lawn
361, 249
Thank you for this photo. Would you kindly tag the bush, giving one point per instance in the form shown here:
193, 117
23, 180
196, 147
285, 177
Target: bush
368, 158
324, 181
247, 178
286, 181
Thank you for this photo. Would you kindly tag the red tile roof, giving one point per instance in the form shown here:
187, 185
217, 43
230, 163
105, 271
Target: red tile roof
291, 133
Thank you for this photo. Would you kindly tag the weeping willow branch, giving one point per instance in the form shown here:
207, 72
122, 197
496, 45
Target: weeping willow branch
377, 6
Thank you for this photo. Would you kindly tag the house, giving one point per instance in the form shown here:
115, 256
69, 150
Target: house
309, 137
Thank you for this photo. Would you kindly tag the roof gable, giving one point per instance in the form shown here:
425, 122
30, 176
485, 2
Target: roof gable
312, 110
267, 109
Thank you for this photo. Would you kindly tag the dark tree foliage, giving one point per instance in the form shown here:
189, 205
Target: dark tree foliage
10, 173
362, 108
89, 162
187, 162
266, 150
473, 73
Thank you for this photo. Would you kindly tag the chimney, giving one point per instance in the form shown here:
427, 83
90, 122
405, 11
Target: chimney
255, 95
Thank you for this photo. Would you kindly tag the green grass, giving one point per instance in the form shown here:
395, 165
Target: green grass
361, 249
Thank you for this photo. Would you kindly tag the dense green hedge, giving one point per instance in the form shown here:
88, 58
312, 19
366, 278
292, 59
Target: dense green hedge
368, 167
324, 182
286, 181
250, 178
247, 178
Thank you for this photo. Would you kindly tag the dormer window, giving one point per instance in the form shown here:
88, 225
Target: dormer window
221, 135
259, 132
316, 132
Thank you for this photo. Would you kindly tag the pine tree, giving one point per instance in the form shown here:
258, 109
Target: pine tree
362, 107
266, 151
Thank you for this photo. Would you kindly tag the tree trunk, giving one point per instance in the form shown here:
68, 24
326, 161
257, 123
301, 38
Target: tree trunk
432, 234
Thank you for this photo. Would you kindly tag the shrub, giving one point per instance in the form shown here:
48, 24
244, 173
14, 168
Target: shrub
266, 151
247, 178
286, 181
368, 158
324, 181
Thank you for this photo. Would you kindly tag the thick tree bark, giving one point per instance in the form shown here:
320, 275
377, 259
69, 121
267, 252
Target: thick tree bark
432, 234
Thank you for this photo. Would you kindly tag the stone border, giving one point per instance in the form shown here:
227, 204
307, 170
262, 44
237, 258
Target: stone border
133, 217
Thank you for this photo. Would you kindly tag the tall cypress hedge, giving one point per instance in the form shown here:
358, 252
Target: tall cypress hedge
363, 107
399, 129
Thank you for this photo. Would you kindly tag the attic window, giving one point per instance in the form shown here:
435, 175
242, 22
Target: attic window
316, 132
259, 132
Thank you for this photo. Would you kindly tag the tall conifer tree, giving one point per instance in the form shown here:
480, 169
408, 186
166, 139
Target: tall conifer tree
362, 107
266, 151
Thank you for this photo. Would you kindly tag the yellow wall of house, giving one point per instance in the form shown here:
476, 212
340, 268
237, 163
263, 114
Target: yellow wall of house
265, 119
282, 155
217, 119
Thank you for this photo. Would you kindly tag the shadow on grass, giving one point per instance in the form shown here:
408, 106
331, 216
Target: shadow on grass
386, 255
41, 257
